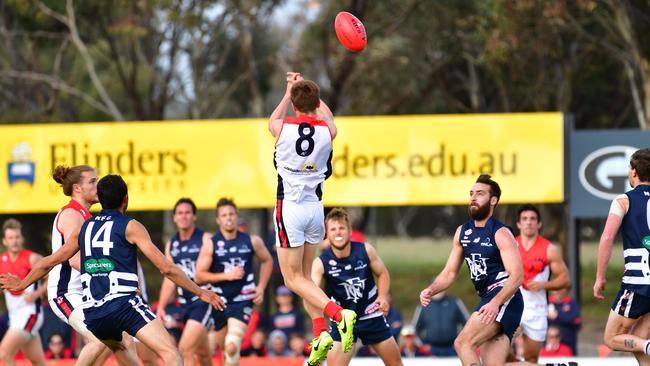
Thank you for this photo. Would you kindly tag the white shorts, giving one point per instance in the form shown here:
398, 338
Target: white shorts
298, 223
68, 308
25, 320
534, 326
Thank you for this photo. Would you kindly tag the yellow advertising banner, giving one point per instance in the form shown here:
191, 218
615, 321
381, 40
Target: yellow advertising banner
384, 160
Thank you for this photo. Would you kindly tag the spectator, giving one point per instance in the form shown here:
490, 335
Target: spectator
564, 312
257, 345
554, 347
56, 349
438, 324
277, 344
288, 318
394, 319
298, 345
53, 325
409, 344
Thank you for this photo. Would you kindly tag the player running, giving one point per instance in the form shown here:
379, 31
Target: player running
64, 289
490, 250
183, 249
350, 269
107, 244
303, 160
540, 258
24, 305
226, 262
628, 325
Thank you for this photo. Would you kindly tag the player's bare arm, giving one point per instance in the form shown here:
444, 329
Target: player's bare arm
69, 221
448, 274
137, 234
382, 278
167, 288
512, 264
317, 271
323, 112
40, 291
558, 269
204, 261
614, 220
266, 267
42, 267
275, 121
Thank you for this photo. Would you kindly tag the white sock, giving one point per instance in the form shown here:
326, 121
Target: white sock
646, 347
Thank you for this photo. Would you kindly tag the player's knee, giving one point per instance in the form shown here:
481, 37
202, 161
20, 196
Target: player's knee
461, 342
233, 343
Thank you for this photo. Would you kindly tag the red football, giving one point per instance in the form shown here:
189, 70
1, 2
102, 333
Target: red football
350, 31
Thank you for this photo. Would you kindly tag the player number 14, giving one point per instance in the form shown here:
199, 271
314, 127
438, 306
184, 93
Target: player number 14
101, 239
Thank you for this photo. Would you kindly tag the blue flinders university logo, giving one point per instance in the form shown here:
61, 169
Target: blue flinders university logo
21, 166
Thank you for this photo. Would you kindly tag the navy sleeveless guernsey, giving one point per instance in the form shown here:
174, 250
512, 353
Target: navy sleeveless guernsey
350, 281
635, 230
229, 253
482, 255
109, 268
184, 254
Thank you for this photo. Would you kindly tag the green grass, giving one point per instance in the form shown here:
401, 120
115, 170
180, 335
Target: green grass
413, 262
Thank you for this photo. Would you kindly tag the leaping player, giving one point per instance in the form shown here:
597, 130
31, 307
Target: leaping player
303, 160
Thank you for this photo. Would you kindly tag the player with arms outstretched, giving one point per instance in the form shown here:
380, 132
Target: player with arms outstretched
303, 160
108, 244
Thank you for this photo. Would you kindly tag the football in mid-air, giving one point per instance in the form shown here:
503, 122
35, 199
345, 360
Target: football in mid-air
350, 31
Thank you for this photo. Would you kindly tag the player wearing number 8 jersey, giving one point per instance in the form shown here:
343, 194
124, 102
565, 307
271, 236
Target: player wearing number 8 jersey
628, 325
303, 155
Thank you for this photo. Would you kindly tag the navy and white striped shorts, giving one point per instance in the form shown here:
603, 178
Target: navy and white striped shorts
124, 314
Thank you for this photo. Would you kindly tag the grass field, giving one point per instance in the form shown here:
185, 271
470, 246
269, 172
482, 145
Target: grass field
413, 262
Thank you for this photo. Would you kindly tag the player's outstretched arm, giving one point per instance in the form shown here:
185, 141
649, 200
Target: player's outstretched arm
383, 278
42, 267
204, 261
448, 274
137, 234
325, 113
275, 121
167, 288
266, 267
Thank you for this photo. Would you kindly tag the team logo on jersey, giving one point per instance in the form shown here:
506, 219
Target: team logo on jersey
99, 265
603, 173
188, 266
486, 243
354, 288
332, 262
646, 242
477, 267
21, 166
467, 232
232, 263
309, 167
477, 239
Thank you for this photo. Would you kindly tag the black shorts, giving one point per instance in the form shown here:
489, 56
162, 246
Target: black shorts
239, 310
370, 331
124, 314
199, 311
631, 304
509, 315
